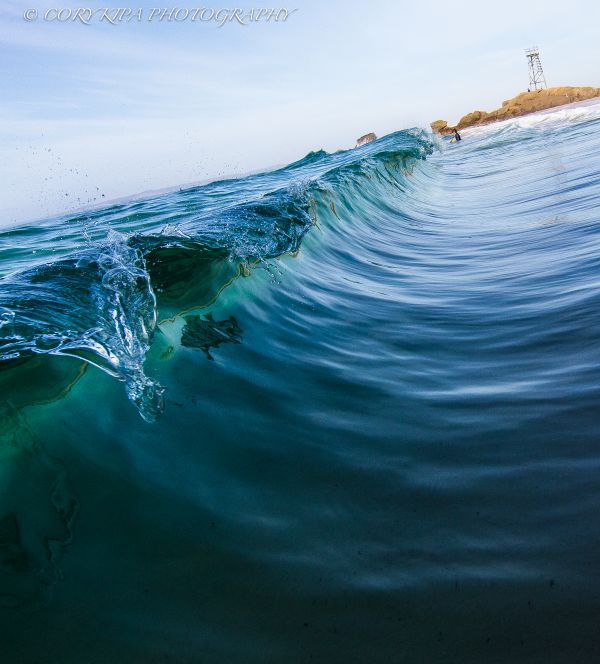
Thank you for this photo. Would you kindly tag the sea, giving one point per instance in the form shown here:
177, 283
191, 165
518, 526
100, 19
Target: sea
344, 411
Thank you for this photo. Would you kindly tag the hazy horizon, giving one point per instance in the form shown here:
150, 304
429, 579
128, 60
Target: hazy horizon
120, 110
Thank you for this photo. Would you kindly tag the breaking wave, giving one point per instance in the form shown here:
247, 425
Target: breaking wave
99, 302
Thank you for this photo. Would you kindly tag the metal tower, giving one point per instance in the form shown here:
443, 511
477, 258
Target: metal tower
537, 80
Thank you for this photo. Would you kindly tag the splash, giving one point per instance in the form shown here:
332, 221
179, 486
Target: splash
99, 303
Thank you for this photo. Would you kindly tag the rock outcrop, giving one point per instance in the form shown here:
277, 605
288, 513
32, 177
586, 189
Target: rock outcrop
367, 138
441, 127
522, 104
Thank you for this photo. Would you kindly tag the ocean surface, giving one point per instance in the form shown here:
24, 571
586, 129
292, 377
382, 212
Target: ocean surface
345, 411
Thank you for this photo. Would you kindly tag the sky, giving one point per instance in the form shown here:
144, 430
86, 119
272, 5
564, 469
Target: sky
98, 111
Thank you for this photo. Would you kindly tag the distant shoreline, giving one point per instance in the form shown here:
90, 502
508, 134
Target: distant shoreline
524, 103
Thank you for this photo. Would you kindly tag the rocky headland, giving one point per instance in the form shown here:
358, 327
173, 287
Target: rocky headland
522, 104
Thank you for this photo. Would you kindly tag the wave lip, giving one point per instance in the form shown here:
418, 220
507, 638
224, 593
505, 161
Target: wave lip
99, 303
98, 306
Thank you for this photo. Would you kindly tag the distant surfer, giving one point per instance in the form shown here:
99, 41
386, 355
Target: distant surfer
457, 135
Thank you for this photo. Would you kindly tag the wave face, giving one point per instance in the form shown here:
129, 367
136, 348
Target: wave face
98, 302
341, 411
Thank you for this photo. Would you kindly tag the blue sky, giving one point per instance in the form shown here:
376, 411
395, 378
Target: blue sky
118, 109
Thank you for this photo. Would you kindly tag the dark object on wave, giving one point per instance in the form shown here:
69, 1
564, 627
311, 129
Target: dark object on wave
457, 135
205, 332
367, 138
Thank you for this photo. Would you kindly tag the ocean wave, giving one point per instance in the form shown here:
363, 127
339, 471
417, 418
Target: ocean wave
99, 302
97, 305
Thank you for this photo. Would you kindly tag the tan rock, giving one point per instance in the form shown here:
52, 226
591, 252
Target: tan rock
470, 119
523, 104
367, 138
441, 127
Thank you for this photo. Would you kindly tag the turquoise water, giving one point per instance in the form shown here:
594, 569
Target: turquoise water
346, 411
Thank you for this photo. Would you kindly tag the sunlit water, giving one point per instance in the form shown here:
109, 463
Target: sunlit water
342, 412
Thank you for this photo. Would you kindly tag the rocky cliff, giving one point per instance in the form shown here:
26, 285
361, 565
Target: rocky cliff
522, 104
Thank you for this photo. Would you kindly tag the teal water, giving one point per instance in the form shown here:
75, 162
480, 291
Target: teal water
346, 411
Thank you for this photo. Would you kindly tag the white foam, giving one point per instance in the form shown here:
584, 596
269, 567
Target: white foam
567, 114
